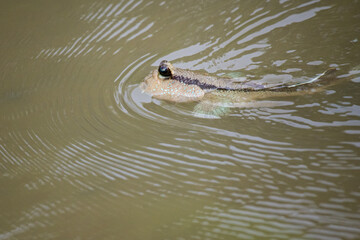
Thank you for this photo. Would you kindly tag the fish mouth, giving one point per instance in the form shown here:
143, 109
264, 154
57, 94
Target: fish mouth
149, 79
142, 87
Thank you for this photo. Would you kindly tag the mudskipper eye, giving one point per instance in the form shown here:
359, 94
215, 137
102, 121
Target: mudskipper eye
164, 71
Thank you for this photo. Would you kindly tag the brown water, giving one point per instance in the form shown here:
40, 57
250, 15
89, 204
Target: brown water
85, 155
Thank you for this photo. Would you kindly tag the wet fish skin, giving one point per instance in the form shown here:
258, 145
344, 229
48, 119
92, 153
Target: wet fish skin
181, 85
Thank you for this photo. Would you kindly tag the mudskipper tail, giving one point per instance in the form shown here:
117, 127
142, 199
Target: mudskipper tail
327, 76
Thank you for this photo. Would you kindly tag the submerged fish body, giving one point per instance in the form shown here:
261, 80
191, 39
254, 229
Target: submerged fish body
216, 94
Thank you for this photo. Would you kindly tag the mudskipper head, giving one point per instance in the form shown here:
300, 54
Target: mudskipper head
157, 76
164, 72
162, 84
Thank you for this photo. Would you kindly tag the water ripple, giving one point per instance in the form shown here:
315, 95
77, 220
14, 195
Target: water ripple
110, 25
80, 141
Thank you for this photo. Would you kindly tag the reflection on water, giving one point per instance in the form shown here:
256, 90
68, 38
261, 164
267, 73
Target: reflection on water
86, 155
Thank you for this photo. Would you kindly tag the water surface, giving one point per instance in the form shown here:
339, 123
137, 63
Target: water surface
85, 155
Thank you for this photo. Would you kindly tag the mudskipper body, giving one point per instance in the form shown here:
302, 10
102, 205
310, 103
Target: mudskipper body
215, 95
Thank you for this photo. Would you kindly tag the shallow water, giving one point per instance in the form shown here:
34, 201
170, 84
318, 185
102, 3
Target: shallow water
85, 155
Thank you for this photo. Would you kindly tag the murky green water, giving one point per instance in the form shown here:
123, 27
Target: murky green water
85, 155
